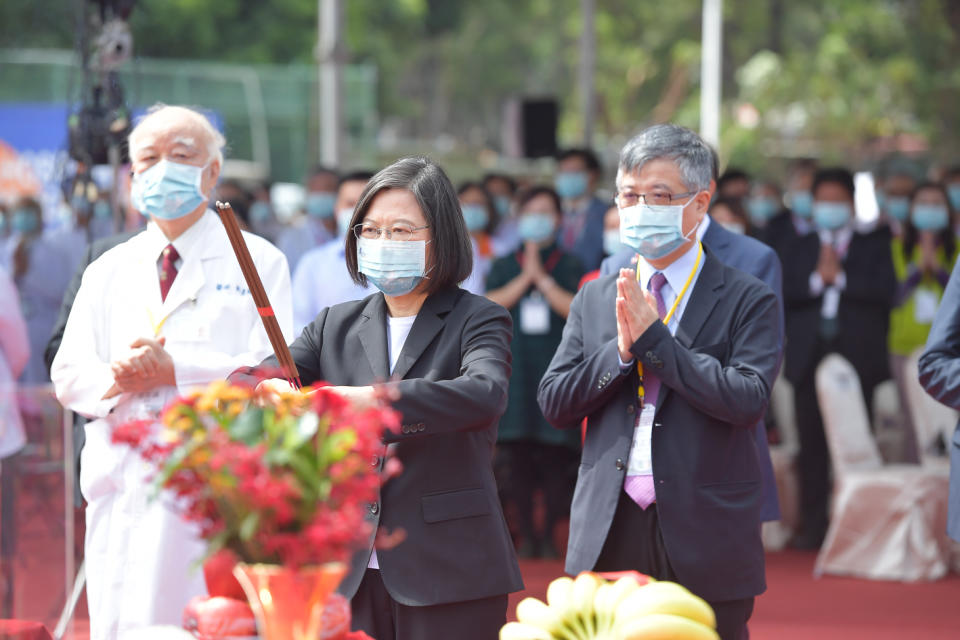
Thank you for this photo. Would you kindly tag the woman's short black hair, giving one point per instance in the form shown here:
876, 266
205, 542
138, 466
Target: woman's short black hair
540, 190
493, 217
421, 176
833, 175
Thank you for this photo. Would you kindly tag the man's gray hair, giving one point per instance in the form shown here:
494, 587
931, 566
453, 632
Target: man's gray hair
214, 139
693, 157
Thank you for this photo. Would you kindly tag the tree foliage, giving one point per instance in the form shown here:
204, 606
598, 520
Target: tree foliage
819, 77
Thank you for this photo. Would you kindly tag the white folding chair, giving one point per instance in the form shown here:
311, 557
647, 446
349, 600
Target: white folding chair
887, 522
933, 422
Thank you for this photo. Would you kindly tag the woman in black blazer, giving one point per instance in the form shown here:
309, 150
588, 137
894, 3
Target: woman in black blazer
446, 353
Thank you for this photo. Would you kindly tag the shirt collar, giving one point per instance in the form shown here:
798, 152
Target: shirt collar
702, 229
676, 272
186, 244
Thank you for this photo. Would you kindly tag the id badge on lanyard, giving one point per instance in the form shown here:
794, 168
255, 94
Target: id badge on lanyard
535, 315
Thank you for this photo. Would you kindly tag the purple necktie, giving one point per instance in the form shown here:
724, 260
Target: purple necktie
168, 269
640, 487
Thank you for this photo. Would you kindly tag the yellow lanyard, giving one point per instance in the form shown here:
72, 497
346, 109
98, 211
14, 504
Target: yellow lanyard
157, 326
670, 313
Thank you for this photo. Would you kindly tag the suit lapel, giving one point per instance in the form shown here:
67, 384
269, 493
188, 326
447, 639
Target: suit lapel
373, 336
703, 299
425, 328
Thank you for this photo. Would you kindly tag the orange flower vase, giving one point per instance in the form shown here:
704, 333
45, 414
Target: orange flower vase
288, 603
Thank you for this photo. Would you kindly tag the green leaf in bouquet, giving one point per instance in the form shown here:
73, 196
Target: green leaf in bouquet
248, 527
248, 427
336, 446
307, 475
303, 430
172, 464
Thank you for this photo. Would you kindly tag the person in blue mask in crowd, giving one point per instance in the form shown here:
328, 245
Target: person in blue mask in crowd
318, 280
893, 191
734, 183
795, 219
260, 215
444, 354
923, 258
503, 189
41, 270
319, 224
838, 289
729, 213
581, 231
482, 219
536, 284
764, 203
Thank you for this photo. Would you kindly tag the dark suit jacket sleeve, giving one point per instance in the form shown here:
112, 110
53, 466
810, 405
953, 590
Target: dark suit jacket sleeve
306, 354
65, 306
737, 393
576, 383
940, 362
478, 396
878, 284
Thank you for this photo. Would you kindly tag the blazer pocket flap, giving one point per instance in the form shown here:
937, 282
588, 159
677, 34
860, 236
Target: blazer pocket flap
451, 505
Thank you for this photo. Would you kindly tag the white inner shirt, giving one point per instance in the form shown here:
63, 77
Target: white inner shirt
397, 331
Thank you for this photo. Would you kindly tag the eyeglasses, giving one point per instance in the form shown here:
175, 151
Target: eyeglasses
625, 199
399, 231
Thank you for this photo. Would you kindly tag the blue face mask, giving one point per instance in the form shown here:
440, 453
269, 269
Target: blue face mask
536, 227
762, 208
102, 210
476, 216
168, 190
897, 208
611, 241
953, 192
24, 222
320, 204
395, 267
831, 215
930, 217
259, 211
654, 231
502, 204
801, 203
571, 184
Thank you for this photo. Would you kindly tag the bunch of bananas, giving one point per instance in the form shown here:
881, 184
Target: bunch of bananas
590, 608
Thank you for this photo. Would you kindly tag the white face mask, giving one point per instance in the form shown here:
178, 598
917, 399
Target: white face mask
395, 267
344, 216
654, 231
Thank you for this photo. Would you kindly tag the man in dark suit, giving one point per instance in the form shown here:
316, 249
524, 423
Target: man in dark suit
673, 381
838, 288
750, 256
581, 232
940, 376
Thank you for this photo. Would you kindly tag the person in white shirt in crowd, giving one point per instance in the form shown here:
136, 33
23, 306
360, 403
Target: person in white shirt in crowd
503, 189
156, 316
261, 216
482, 219
41, 269
581, 231
14, 354
319, 225
317, 281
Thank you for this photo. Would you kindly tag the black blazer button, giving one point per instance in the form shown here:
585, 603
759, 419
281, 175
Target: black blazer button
619, 464
374, 508
375, 461
649, 354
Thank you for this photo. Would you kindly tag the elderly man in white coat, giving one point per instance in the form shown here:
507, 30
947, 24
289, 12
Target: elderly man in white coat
155, 316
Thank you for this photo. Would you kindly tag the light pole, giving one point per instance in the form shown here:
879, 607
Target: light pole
330, 57
710, 70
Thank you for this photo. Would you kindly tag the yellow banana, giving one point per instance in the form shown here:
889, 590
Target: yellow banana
559, 593
662, 626
584, 589
521, 631
668, 598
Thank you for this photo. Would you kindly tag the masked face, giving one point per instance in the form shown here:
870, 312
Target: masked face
23, 221
259, 211
831, 215
168, 190
537, 226
571, 184
611, 241
654, 231
897, 207
476, 217
394, 267
761, 209
801, 203
320, 204
930, 217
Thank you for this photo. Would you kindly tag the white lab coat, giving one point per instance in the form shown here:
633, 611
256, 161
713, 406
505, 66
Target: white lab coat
140, 556
14, 353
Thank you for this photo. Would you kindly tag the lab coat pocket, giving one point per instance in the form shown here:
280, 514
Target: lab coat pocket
100, 462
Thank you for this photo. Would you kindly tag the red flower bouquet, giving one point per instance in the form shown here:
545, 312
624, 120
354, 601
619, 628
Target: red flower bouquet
285, 483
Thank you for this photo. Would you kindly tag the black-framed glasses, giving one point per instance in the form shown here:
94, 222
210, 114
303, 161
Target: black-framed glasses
625, 199
399, 231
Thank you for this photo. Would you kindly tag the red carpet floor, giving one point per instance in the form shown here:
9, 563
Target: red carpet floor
798, 607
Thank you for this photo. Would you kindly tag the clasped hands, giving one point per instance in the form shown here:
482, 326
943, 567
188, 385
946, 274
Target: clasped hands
148, 365
636, 312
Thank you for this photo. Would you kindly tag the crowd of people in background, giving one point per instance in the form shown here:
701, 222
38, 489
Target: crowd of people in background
867, 289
